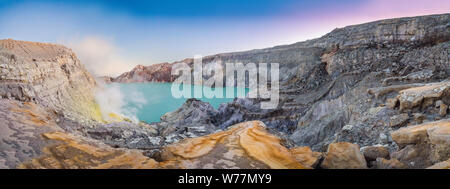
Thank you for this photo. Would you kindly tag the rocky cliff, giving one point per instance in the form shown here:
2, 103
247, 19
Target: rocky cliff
49, 75
153, 73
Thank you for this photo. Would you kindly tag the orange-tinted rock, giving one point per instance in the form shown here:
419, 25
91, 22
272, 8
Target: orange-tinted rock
73, 152
419, 133
245, 145
306, 156
443, 109
413, 97
441, 165
21, 127
423, 145
371, 153
33, 115
344, 155
392, 163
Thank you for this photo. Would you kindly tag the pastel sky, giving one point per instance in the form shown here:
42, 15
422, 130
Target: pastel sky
113, 36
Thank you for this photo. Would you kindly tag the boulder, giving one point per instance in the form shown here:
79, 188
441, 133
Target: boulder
382, 163
423, 145
306, 156
415, 156
427, 94
419, 133
371, 153
343, 155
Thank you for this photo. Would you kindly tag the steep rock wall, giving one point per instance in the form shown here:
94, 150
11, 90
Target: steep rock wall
49, 75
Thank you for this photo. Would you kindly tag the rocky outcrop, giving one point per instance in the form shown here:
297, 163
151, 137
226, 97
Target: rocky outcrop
194, 118
31, 137
344, 155
392, 163
423, 145
399, 120
441, 165
106, 79
21, 127
433, 131
306, 156
75, 152
245, 145
425, 95
153, 73
365, 67
372, 153
49, 75
126, 135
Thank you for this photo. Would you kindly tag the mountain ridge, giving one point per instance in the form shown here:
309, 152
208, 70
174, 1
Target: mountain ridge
407, 29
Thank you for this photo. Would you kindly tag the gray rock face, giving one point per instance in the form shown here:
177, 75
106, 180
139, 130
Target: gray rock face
152, 73
399, 120
49, 75
21, 126
194, 118
326, 95
126, 135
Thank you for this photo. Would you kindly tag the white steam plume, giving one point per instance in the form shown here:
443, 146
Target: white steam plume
113, 101
100, 56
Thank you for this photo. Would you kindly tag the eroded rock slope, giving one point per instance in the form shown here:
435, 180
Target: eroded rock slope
49, 75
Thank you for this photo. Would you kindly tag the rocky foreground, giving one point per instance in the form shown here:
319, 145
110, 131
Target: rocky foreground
374, 95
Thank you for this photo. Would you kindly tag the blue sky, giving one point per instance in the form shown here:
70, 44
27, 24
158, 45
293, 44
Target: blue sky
121, 34
185, 8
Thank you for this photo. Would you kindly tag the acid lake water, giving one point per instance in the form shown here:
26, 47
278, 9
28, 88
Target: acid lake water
149, 101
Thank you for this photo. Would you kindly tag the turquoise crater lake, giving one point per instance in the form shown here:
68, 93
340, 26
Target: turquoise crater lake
156, 99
